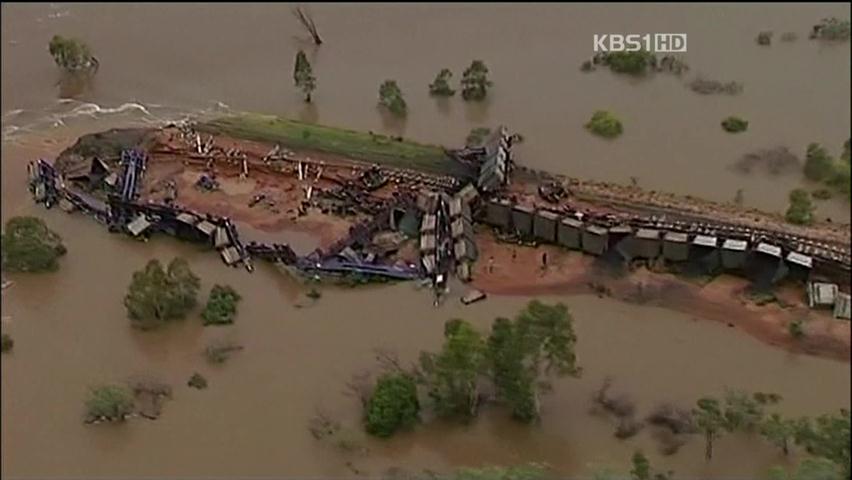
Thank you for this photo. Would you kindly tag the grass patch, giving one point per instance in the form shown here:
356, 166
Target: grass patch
362, 146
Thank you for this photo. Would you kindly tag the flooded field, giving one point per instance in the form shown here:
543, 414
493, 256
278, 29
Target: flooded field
165, 62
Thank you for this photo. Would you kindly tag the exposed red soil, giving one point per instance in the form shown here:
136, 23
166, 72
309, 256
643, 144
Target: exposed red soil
517, 270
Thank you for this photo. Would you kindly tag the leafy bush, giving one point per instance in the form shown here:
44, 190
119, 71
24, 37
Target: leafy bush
393, 405
221, 306
71, 55
801, 209
29, 246
157, 296
632, 63
441, 86
796, 329
475, 81
818, 163
390, 97
109, 402
734, 124
605, 124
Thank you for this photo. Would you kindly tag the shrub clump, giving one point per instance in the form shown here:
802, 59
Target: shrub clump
632, 63
605, 124
29, 246
390, 97
441, 86
110, 403
393, 405
734, 124
219, 352
221, 306
157, 296
801, 209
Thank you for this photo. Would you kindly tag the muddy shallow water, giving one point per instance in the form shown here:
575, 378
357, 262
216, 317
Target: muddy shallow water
70, 327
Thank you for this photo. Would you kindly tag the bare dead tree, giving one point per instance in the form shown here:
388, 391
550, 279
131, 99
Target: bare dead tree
360, 387
307, 21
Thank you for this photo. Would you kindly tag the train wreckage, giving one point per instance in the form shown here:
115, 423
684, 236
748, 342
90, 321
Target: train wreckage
410, 223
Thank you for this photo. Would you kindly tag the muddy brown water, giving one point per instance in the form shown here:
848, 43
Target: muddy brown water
70, 327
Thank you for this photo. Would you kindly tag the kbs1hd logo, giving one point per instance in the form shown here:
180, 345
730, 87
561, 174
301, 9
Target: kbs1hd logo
654, 43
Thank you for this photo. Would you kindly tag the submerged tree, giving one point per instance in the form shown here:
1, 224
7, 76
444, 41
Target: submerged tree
641, 467
605, 124
72, 55
390, 97
809, 469
157, 296
393, 405
109, 402
801, 209
475, 81
441, 85
710, 421
6, 343
28, 245
451, 375
818, 163
779, 431
632, 63
734, 124
303, 75
827, 436
221, 305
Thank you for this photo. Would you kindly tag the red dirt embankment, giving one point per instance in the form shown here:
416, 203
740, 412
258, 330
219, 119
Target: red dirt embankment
517, 270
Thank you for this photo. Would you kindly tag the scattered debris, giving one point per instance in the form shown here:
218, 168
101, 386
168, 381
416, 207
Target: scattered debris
708, 87
473, 296
219, 352
149, 396
207, 183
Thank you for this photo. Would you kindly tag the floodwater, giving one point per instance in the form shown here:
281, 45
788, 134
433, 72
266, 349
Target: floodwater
164, 62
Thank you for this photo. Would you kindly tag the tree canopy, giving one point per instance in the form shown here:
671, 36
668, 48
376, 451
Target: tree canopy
474, 82
801, 208
605, 124
390, 97
72, 55
632, 63
109, 402
28, 245
221, 305
303, 75
393, 405
451, 375
157, 296
441, 86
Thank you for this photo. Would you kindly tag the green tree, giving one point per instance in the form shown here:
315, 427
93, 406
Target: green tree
72, 55
809, 469
745, 412
303, 75
778, 430
109, 402
734, 124
641, 467
828, 437
632, 63
818, 163
390, 97
441, 86
393, 405
710, 420
451, 375
801, 209
605, 124
538, 342
156, 296
221, 306
474, 82
29, 246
